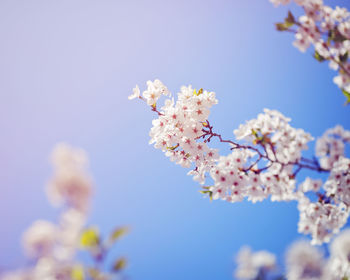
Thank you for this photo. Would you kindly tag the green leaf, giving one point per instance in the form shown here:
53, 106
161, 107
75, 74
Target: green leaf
200, 91
289, 21
255, 133
207, 192
173, 147
283, 26
347, 95
319, 57
119, 233
77, 273
94, 273
90, 238
119, 264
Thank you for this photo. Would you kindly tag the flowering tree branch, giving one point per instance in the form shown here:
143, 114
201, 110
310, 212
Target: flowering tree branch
264, 162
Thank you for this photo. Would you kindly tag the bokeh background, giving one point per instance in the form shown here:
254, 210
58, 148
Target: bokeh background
66, 69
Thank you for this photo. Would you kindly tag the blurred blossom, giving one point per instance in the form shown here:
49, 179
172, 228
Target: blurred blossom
304, 262
66, 157
39, 240
49, 269
54, 246
70, 184
16, 275
251, 264
71, 225
339, 263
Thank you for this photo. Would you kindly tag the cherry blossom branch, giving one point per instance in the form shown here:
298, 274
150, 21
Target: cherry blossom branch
313, 165
208, 134
182, 131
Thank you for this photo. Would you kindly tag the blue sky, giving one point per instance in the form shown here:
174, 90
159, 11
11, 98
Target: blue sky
66, 70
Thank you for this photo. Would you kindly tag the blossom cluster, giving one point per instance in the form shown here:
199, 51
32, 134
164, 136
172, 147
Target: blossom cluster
328, 30
51, 247
329, 214
281, 147
302, 262
331, 146
264, 162
180, 124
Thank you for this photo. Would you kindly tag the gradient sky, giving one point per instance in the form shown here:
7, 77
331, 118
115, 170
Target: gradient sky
66, 70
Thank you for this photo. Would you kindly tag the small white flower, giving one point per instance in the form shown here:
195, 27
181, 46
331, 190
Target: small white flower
136, 93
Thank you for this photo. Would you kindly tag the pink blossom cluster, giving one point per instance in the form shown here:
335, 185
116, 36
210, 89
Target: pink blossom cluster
179, 125
302, 262
266, 170
283, 143
338, 184
327, 216
331, 146
328, 30
321, 219
264, 162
